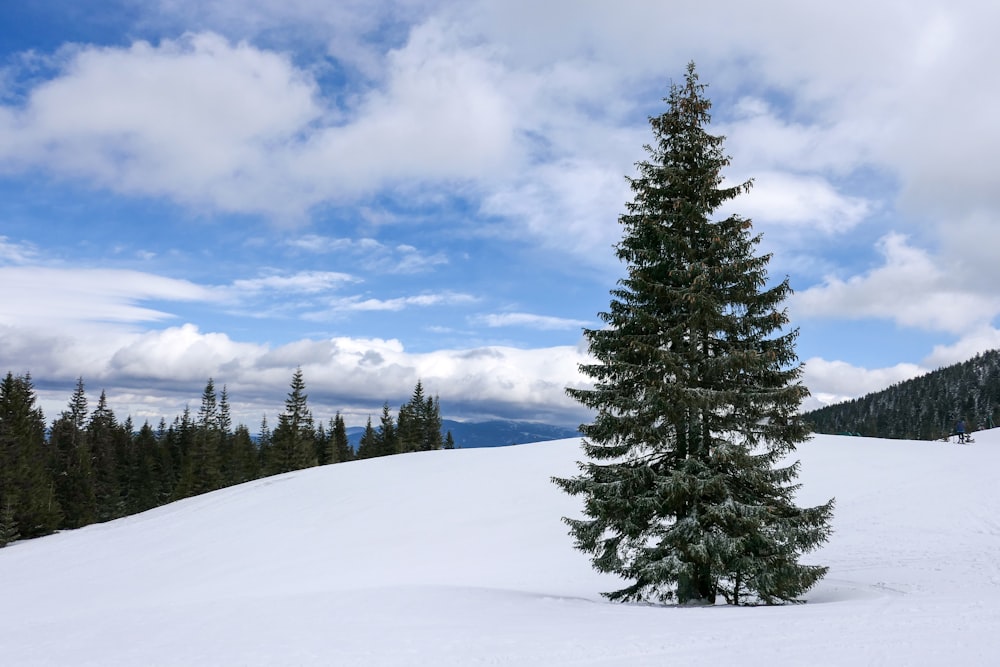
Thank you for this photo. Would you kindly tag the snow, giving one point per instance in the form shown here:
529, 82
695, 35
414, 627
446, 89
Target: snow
459, 558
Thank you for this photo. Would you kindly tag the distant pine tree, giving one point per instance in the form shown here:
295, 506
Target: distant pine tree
74, 472
695, 394
339, 443
292, 442
368, 445
27, 489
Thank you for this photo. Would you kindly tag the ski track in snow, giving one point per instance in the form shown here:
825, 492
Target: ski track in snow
459, 558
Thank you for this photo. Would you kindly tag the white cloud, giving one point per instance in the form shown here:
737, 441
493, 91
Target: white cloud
372, 255
156, 373
65, 297
198, 119
911, 288
528, 320
309, 282
979, 340
359, 303
804, 202
16, 253
835, 381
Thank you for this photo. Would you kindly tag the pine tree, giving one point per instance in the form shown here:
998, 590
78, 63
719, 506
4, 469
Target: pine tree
74, 473
8, 522
695, 393
27, 489
385, 438
103, 434
449, 441
204, 459
292, 441
419, 423
339, 443
368, 445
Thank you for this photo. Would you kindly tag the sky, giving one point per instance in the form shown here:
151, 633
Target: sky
387, 191
458, 558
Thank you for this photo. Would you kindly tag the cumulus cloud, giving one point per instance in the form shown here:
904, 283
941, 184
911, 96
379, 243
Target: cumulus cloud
154, 374
198, 119
911, 288
835, 381
808, 203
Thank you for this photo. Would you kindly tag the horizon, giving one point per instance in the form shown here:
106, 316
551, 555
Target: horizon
400, 190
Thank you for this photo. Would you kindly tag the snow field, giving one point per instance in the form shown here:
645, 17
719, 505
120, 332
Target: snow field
460, 558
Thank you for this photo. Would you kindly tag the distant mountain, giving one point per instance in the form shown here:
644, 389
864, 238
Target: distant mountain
496, 433
924, 408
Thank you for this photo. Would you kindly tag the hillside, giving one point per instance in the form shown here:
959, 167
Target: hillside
924, 408
458, 558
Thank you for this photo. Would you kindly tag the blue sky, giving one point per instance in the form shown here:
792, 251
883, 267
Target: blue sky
386, 191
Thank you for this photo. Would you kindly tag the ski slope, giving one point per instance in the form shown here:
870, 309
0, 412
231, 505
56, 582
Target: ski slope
459, 558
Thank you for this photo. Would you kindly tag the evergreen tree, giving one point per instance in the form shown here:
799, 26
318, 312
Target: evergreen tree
265, 448
292, 440
27, 490
8, 522
204, 459
74, 473
449, 441
227, 444
103, 434
695, 393
385, 439
419, 424
244, 462
368, 445
180, 442
338, 441
145, 486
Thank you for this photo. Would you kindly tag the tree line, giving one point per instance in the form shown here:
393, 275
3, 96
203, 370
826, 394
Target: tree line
89, 467
922, 408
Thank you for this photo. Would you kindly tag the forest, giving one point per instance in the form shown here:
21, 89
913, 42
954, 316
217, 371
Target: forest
923, 408
88, 467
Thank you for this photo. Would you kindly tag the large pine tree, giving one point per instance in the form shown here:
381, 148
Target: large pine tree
688, 494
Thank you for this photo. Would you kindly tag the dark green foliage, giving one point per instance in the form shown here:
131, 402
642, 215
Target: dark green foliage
73, 472
385, 439
368, 446
419, 423
449, 441
27, 491
292, 443
203, 467
340, 447
106, 438
93, 468
924, 408
695, 394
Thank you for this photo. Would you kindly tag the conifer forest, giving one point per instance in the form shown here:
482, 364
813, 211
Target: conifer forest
88, 466
923, 408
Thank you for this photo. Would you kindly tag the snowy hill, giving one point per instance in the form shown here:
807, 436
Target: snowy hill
459, 558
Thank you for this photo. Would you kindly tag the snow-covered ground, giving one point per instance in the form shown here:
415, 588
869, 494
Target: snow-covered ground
459, 558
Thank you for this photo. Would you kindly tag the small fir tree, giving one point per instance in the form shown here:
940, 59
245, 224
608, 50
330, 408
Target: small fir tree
695, 394
292, 442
